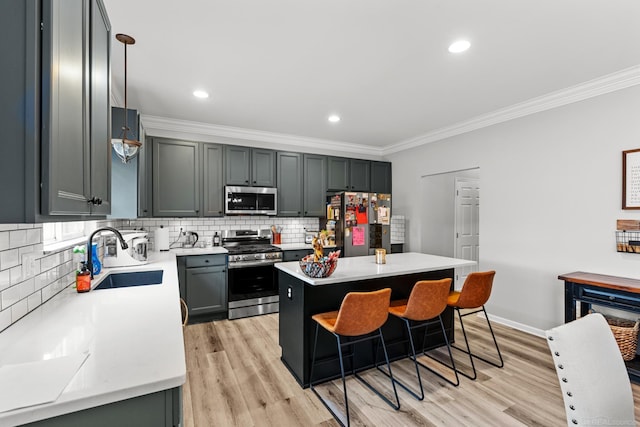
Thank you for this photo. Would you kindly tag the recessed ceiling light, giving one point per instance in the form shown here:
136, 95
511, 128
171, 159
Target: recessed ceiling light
459, 46
200, 94
334, 118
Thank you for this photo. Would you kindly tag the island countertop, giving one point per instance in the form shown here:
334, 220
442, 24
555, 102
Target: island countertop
133, 336
364, 267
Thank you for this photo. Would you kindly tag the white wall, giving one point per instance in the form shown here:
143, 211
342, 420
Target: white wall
550, 196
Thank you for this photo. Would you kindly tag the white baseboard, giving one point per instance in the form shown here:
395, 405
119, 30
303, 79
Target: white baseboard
515, 325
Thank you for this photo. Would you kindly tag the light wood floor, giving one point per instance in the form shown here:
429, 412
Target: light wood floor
235, 378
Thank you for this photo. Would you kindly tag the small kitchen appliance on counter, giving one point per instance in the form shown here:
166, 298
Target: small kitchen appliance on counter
135, 254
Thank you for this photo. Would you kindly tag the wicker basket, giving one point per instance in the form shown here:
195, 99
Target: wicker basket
626, 334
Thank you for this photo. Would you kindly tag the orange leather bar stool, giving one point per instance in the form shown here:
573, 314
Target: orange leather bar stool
360, 318
424, 307
475, 292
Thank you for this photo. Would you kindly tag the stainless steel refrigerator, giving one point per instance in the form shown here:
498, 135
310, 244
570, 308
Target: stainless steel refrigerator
358, 223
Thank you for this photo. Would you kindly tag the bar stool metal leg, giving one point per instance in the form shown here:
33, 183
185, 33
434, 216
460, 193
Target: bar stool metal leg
468, 349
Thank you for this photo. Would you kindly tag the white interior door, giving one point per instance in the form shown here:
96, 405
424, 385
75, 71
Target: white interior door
467, 225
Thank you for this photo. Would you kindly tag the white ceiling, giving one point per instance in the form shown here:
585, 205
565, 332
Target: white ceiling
283, 66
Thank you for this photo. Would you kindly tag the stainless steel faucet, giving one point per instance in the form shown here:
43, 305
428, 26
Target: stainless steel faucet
123, 245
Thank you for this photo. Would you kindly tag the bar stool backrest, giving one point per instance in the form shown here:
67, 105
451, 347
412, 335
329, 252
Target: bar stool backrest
428, 299
476, 289
363, 312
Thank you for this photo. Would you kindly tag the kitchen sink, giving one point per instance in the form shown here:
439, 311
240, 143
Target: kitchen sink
134, 278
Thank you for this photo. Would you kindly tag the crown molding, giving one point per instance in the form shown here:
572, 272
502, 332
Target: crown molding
592, 88
166, 127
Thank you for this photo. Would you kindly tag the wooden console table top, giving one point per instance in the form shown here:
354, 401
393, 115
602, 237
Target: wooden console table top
603, 281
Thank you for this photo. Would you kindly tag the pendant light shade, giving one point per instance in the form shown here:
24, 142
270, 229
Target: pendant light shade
124, 147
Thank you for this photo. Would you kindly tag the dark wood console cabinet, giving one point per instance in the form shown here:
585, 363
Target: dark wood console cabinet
582, 290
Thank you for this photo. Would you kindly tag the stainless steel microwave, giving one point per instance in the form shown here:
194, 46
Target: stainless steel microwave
250, 201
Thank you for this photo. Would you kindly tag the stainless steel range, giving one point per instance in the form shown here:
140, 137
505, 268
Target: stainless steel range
253, 281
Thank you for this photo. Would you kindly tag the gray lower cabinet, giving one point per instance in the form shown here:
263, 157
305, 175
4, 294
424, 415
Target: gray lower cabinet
289, 184
380, 177
205, 283
315, 185
295, 255
160, 409
54, 126
176, 178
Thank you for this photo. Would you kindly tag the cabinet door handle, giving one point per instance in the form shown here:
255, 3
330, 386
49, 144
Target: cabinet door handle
255, 182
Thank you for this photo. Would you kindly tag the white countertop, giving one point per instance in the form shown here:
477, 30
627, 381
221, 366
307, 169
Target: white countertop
211, 250
364, 267
133, 335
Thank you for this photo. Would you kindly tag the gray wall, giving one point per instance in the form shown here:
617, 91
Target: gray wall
550, 196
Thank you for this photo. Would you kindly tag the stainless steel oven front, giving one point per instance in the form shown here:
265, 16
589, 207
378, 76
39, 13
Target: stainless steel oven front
253, 288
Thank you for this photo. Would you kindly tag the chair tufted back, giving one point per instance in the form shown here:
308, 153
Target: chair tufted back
593, 377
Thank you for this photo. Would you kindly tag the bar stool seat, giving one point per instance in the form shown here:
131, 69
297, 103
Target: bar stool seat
360, 318
426, 303
474, 294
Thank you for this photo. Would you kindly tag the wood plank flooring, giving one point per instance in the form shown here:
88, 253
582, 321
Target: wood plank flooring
235, 378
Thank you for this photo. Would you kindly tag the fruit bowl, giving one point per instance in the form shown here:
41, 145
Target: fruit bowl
318, 269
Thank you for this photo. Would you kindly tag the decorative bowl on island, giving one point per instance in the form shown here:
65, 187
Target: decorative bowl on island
320, 269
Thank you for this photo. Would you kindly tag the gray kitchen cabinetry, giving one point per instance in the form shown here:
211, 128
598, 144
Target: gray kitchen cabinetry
295, 255
213, 186
380, 177
163, 408
290, 189
315, 185
55, 155
345, 174
250, 166
176, 178
203, 284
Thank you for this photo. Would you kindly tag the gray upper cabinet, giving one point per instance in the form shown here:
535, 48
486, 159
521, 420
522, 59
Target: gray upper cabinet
381, 177
263, 168
348, 174
176, 178
54, 126
315, 185
100, 110
289, 184
213, 194
360, 174
338, 174
238, 160
250, 166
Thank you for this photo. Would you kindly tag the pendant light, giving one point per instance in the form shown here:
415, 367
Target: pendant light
125, 148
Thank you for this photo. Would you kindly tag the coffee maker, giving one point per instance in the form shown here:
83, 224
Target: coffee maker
135, 254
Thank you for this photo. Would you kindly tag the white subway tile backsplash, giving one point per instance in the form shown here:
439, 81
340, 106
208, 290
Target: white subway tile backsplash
4, 240
9, 296
26, 288
9, 258
5, 279
5, 319
34, 300
18, 310
17, 238
4, 227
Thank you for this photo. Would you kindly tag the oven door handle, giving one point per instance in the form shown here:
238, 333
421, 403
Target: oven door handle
259, 263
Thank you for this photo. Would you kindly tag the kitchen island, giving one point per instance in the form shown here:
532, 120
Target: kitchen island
133, 338
302, 296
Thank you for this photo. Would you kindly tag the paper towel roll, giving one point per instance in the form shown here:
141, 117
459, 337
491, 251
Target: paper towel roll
161, 239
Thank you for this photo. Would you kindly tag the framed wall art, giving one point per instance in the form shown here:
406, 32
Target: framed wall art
631, 179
